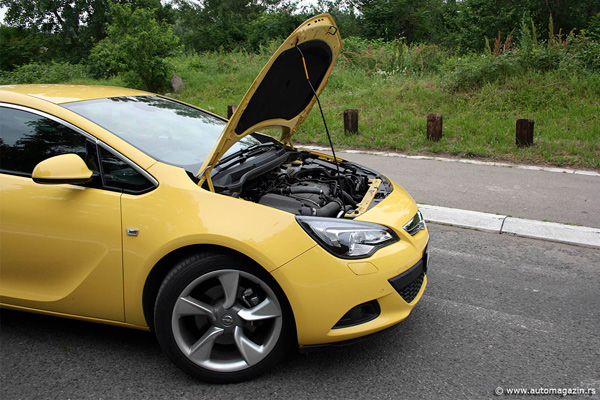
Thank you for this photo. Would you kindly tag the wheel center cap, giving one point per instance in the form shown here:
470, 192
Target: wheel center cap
227, 320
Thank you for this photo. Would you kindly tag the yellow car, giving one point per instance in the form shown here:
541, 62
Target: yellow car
128, 208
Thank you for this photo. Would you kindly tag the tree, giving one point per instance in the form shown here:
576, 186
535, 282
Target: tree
344, 12
71, 27
567, 15
477, 19
218, 24
137, 45
473, 20
415, 20
271, 26
19, 47
76, 23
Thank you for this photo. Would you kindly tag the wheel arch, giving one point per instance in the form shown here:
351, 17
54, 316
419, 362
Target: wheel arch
165, 264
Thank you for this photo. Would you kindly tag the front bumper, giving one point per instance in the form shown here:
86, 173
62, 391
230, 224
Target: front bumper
408, 284
322, 289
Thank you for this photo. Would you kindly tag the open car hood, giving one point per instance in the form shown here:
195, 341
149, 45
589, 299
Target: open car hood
280, 96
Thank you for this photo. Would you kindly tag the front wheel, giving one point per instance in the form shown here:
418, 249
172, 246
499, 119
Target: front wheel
221, 320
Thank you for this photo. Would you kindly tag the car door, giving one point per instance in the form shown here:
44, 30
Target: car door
60, 244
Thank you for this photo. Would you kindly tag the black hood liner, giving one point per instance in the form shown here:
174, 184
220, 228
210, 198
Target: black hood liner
284, 92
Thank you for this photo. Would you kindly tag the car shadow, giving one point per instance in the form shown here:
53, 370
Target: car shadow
55, 351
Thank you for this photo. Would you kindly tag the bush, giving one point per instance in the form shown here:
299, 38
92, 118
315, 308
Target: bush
588, 53
136, 46
570, 54
54, 72
391, 57
585, 50
471, 72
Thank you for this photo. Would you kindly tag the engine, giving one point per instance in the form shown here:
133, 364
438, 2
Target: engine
301, 183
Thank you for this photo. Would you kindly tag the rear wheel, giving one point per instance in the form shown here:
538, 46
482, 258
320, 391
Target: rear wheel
222, 319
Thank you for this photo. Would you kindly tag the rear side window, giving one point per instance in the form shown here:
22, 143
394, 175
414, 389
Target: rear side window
27, 139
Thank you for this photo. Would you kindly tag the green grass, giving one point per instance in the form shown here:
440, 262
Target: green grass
479, 123
393, 108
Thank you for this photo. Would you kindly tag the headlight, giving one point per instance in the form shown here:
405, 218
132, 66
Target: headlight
415, 224
347, 238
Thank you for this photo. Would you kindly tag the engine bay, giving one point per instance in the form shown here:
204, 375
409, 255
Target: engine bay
299, 182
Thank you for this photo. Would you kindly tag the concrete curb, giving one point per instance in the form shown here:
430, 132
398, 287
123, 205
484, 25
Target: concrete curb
551, 231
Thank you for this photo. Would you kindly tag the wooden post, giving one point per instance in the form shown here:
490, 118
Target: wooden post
351, 120
524, 132
230, 110
434, 127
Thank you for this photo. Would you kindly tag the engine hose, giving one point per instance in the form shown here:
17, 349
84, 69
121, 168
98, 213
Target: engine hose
348, 199
297, 189
304, 189
328, 210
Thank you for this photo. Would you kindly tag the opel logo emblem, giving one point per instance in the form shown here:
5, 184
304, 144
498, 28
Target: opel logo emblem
227, 320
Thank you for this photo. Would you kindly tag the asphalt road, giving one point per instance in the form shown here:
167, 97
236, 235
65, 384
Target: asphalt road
499, 311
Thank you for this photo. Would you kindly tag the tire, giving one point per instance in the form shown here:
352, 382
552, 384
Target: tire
222, 319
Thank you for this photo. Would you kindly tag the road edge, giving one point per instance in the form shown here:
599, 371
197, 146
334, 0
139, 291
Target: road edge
503, 224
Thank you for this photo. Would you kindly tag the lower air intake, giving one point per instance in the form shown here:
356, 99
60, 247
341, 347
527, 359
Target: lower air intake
409, 283
359, 315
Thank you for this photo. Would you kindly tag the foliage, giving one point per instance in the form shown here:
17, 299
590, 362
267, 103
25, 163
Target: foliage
470, 72
414, 20
54, 72
216, 24
586, 46
585, 52
391, 57
271, 26
71, 27
346, 15
570, 54
593, 27
136, 45
464, 24
476, 19
19, 46
76, 23
467, 22
567, 15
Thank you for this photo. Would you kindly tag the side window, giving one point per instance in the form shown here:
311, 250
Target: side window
27, 139
119, 175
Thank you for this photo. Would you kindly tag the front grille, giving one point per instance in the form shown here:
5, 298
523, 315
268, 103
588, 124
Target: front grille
408, 283
412, 290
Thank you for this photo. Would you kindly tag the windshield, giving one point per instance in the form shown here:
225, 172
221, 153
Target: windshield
166, 130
